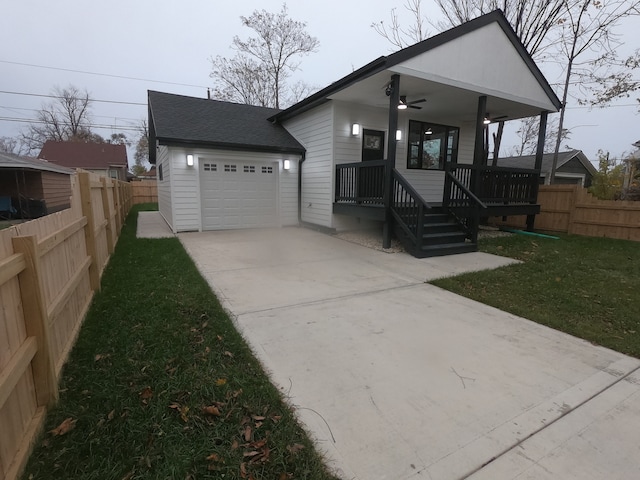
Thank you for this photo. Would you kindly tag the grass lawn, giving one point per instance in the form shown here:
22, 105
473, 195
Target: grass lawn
587, 287
161, 386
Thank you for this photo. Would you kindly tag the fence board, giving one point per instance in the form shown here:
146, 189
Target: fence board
45, 293
572, 209
145, 191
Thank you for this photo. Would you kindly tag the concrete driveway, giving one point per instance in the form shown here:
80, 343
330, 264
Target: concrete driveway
398, 379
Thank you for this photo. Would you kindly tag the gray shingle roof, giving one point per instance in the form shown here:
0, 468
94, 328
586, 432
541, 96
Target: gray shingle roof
528, 161
9, 160
199, 121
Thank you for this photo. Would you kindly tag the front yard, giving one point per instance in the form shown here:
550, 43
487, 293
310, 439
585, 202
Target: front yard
587, 287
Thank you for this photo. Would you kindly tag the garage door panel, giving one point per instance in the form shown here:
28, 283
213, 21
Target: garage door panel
238, 194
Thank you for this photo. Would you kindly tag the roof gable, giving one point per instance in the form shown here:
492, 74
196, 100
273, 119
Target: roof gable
86, 155
395, 61
482, 60
178, 119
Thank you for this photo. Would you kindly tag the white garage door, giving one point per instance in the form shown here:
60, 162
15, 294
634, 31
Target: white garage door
238, 194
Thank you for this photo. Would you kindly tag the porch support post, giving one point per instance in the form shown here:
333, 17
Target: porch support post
394, 101
478, 162
542, 132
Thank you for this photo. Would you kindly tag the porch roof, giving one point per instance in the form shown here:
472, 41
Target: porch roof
444, 94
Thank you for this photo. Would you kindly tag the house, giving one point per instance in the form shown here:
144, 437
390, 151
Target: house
150, 175
398, 143
32, 188
573, 167
104, 159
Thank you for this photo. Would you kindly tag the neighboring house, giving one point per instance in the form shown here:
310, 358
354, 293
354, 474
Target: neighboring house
150, 175
101, 158
33, 187
323, 161
573, 167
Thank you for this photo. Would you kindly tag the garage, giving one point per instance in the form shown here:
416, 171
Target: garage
238, 194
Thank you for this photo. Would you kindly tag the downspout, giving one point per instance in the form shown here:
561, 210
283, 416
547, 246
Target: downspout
303, 157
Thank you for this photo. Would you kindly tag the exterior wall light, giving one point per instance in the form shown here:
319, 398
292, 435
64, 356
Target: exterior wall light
486, 120
189, 160
286, 164
398, 134
355, 129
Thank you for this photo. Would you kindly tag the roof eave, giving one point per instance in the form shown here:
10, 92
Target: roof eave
171, 142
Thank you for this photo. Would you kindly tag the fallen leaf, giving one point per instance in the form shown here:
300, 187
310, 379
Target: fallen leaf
247, 433
243, 470
259, 444
204, 325
258, 418
295, 448
275, 418
228, 354
112, 414
219, 338
211, 410
220, 382
146, 393
251, 454
66, 426
214, 457
101, 356
234, 445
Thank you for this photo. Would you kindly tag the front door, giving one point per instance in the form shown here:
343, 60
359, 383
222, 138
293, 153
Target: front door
371, 181
372, 145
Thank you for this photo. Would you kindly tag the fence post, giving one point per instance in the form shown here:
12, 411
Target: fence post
89, 229
106, 208
36, 320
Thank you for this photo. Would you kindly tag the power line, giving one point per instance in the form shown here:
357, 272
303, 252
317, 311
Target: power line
27, 120
58, 96
12, 109
101, 74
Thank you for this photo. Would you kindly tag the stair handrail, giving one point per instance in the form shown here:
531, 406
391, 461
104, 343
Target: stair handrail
421, 203
465, 190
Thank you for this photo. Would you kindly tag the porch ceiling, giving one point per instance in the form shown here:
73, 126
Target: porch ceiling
443, 100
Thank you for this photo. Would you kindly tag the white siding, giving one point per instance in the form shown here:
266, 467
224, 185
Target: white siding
185, 192
164, 186
314, 130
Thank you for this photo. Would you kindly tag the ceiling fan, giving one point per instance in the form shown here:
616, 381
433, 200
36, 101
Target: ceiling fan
412, 104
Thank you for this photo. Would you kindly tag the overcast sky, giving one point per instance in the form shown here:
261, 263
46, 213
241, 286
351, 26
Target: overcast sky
168, 46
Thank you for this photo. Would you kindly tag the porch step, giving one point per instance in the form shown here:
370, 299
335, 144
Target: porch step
441, 236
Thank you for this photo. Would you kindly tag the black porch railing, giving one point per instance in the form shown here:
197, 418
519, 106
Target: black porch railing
497, 185
361, 183
408, 208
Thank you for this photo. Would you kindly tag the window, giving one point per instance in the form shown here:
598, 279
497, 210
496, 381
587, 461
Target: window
160, 176
249, 169
267, 169
430, 145
229, 168
113, 174
210, 167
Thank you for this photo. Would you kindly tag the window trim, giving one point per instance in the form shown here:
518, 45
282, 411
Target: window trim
423, 127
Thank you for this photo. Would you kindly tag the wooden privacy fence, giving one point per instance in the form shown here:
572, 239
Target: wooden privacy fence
571, 209
49, 271
145, 191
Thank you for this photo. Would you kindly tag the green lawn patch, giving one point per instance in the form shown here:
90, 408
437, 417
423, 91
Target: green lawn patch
160, 384
587, 287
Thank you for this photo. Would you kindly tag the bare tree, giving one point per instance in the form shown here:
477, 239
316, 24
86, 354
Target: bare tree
9, 145
65, 118
527, 135
259, 71
588, 30
141, 155
399, 37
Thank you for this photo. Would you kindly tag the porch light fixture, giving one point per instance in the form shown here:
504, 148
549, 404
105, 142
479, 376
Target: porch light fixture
398, 134
189, 160
429, 131
355, 129
286, 164
487, 120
